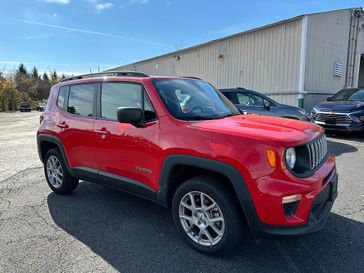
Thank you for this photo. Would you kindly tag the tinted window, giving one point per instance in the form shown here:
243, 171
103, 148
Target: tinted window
61, 96
115, 95
80, 100
250, 99
349, 94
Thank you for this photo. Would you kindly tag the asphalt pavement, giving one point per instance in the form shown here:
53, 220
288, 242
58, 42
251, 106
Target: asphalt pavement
98, 229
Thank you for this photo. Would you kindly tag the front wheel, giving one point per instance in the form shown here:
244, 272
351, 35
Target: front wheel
207, 215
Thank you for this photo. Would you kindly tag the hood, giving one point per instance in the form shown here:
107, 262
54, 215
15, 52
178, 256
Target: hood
340, 106
286, 132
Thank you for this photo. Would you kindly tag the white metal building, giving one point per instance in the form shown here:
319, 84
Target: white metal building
298, 61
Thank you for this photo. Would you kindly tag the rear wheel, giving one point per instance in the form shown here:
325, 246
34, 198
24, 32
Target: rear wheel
207, 215
57, 175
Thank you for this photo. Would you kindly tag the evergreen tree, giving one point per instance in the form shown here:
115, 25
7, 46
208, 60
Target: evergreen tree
54, 77
45, 77
22, 69
35, 74
22, 79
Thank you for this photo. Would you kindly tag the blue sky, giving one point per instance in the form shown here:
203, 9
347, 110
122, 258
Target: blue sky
74, 36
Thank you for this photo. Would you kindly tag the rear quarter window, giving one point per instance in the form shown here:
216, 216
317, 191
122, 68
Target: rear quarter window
61, 96
81, 99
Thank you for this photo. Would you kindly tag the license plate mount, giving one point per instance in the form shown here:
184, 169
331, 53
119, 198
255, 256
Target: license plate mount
330, 121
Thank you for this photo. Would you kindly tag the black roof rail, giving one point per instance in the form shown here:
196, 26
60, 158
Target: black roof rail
108, 73
191, 77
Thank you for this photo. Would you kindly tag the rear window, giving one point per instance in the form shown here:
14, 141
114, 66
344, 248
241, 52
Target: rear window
61, 96
81, 98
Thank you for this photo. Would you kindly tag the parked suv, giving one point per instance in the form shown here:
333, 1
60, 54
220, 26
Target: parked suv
254, 102
218, 171
342, 112
25, 107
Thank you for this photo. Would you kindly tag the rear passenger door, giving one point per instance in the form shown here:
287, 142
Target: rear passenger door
75, 125
126, 153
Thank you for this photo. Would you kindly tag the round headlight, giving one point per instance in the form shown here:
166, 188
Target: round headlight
291, 157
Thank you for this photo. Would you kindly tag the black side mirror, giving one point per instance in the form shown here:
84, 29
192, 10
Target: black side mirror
329, 99
129, 115
267, 105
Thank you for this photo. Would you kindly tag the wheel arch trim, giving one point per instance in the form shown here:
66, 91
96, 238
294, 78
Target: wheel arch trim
56, 141
234, 176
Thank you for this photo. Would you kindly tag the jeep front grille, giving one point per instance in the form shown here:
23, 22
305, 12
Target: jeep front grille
317, 151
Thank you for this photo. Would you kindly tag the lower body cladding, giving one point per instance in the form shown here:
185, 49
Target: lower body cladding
297, 213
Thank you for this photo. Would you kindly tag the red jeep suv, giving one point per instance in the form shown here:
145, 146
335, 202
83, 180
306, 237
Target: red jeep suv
179, 142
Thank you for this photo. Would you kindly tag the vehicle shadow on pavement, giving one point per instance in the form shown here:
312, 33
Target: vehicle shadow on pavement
339, 148
351, 136
135, 235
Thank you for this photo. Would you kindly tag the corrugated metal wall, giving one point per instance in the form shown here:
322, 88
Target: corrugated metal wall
327, 43
266, 60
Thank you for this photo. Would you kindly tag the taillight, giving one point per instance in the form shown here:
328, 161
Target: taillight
41, 117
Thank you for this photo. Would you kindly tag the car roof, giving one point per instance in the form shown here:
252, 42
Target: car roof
240, 89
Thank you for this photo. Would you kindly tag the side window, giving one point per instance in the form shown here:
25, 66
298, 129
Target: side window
244, 99
250, 99
80, 100
149, 112
233, 97
115, 95
61, 95
257, 100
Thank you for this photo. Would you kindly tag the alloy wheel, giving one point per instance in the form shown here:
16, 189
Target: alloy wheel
201, 218
54, 171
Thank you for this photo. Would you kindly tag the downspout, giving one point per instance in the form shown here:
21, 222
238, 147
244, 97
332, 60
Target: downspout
359, 17
355, 28
348, 59
302, 72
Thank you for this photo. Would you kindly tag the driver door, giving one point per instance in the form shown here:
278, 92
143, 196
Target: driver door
126, 153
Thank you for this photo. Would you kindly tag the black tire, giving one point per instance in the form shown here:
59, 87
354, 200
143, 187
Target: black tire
68, 182
226, 202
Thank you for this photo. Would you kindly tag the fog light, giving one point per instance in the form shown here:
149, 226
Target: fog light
291, 198
290, 208
290, 204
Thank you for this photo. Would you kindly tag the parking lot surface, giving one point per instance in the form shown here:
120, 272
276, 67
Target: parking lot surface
98, 229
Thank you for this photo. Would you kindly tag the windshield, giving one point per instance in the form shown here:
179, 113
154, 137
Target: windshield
190, 99
349, 95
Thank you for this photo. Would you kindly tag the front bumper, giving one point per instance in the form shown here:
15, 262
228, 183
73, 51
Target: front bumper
318, 215
267, 216
335, 121
353, 127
